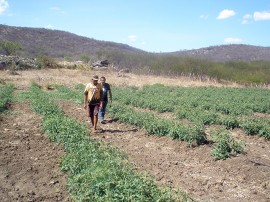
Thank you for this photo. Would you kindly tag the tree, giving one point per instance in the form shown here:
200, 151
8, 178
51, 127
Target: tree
10, 47
85, 58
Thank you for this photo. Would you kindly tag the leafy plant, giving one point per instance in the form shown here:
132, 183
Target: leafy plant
85, 58
225, 145
5, 96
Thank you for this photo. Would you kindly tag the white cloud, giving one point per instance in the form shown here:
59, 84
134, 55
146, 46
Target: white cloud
3, 6
261, 15
226, 14
231, 40
247, 19
49, 26
132, 38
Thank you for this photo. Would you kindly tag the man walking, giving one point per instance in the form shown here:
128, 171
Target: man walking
93, 100
106, 88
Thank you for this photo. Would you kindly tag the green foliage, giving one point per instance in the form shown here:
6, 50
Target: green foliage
225, 145
256, 126
10, 47
156, 125
96, 172
68, 58
150, 122
45, 61
224, 106
5, 96
63, 92
85, 58
229, 107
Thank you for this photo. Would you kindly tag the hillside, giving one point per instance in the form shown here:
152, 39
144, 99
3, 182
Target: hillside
234, 52
59, 44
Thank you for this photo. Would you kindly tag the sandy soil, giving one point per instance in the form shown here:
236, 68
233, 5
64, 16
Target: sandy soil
173, 163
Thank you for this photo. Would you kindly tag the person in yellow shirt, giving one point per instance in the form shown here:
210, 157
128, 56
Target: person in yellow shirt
93, 100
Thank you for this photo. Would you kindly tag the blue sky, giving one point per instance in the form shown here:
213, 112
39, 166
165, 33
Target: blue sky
154, 26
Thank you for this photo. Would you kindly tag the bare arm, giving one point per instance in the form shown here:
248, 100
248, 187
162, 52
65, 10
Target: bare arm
85, 99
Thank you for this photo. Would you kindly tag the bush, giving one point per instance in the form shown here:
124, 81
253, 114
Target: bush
225, 145
10, 47
45, 61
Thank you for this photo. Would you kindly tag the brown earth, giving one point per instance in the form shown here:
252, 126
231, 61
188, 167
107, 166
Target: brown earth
244, 177
29, 162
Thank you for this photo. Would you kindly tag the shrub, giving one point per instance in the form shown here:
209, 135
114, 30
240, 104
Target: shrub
10, 47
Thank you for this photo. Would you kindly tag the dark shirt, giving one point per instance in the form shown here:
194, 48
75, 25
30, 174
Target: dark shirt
105, 89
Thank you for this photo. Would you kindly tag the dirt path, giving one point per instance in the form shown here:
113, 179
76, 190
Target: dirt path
173, 163
29, 163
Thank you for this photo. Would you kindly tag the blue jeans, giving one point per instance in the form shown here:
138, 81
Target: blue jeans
103, 110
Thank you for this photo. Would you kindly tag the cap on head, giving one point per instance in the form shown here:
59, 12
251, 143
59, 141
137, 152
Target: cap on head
95, 78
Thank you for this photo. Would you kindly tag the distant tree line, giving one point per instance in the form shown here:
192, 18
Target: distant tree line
257, 72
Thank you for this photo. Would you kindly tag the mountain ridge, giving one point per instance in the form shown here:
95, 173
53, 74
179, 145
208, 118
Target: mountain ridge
57, 43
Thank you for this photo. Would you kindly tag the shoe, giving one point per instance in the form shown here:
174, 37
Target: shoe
103, 122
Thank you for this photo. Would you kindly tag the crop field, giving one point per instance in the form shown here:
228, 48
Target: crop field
161, 143
226, 108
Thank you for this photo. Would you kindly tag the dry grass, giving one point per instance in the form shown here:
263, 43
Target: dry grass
46, 77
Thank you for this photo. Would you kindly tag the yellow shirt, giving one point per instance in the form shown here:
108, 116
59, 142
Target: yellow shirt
94, 93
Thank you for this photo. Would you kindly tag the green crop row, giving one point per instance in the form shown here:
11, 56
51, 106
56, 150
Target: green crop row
96, 172
5, 96
156, 125
231, 107
67, 93
225, 145
233, 101
251, 125
150, 122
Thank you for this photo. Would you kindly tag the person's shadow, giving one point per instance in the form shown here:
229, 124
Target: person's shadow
111, 120
117, 130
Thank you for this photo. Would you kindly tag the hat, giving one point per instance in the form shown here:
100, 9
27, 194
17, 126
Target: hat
95, 77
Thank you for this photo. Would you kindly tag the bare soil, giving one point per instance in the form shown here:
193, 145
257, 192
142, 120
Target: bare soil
29, 164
